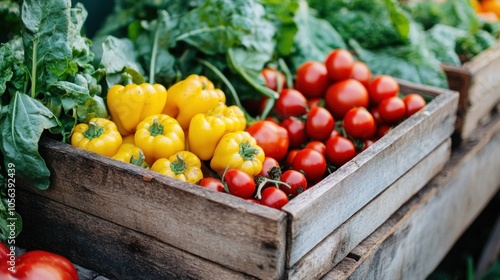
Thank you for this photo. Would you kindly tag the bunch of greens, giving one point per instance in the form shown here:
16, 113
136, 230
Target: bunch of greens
47, 84
230, 41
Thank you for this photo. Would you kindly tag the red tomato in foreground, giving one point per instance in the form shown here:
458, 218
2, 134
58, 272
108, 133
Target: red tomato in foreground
339, 63
342, 96
414, 103
212, 184
382, 87
392, 110
271, 77
271, 137
340, 150
273, 197
290, 103
290, 156
359, 123
36, 265
361, 72
316, 145
311, 162
319, 124
296, 180
239, 183
311, 79
296, 131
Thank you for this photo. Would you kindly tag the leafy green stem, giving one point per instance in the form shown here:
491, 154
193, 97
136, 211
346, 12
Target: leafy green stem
33, 68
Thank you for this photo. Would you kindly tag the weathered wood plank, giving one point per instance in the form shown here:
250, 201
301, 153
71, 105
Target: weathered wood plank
347, 236
180, 214
315, 214
413, 242
110, 249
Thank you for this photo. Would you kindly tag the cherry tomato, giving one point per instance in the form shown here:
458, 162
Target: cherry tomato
382, 87
359, 123
271, 76
339, 63
253, 200
313, 102
342, 96
376, 115
311, 79
361, 73
414, 103
239, 183
382, 130
273, 197
311, 162
289, 157
316, 145
339, 150
296, 131
319, 124
212, 184
296, 180
392, 110
267, 165
271, 137
290, 103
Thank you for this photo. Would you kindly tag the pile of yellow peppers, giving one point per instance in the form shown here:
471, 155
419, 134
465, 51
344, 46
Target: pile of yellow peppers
173, 132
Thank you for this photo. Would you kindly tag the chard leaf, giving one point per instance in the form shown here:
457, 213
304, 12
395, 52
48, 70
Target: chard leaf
281, 14
6, 64
119, 55
314, 39
21, 129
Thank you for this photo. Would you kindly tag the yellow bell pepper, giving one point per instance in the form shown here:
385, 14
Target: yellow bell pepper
184, 166
130, 104
205, 130
238, 150
193, 95
99, 136
129, 153
159, 136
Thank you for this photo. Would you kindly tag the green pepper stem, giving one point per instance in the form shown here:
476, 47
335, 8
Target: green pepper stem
139, 161
156, 128
247, 151
127, 79
93, 131
179, 166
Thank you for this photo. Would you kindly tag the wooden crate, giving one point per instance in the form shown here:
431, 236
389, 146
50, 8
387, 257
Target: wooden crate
416, 238
478, 82
124, 221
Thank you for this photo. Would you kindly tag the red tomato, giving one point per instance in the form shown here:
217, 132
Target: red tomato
296, 131
382, 130
367, 143
273, 197
313, 102
289, 157
311, 162
271, 76
361, 73
268, 166
290, 103
339, 63
319, 124
414, 103
311, 79
392, 110
212, 184
359, 123
253, 200
376, 115
382, 87
339, 150
39, 265
342, 96
316, 145
239, 183
296, 180
271, 137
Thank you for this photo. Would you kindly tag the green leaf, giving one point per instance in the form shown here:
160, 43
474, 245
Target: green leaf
281, 14
6, 64
119, 55
21, 129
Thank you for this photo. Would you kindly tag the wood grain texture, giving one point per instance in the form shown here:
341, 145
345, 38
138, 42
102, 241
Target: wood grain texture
110, 249
315, 214
416, 238
347, 236
246, 237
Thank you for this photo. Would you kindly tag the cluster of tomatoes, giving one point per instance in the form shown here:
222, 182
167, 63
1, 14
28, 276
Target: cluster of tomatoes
334, 110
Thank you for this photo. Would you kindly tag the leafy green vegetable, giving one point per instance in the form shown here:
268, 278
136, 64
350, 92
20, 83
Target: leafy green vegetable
47, 82
9, 19
8, 214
